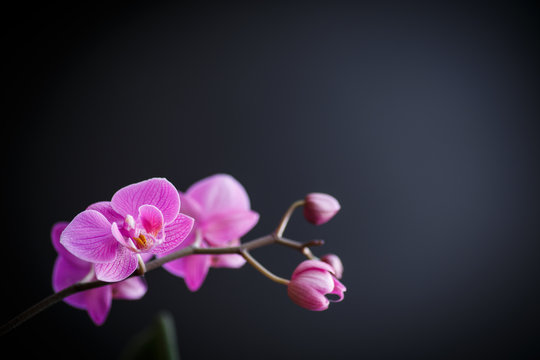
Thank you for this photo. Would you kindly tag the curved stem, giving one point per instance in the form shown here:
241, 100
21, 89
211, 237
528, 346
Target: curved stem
257, 265
285, 219
242, 250
151, 265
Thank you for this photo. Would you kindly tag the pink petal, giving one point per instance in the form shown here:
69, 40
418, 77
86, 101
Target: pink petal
118, 236
123, 266
130, 289
334, 261
193, 269
56, 231
89, 237
98, 303
312, 265
175, 233
66, 273
219, 193
157, 191
229, 226
105, 208
321, 281
338, 290
307, 297
151, 219
190, 206
233, 261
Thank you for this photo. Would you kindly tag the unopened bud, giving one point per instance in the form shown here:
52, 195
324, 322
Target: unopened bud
319, 208
335, 262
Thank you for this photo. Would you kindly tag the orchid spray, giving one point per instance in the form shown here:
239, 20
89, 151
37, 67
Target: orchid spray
104, 251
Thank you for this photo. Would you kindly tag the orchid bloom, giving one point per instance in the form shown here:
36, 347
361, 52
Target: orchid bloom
141, 218
310, 282
68, 270
221, 209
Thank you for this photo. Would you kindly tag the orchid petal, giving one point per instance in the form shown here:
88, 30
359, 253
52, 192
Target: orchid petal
190, 206
226, 227
193, 269
99, 302
219, 193
175, 233
338, 290
66, 273
105, 208
88, 236
130, 289
232, 261
157, 191
312, 265
117, 234
123, 266
151, 219
321, 281
307, 297
56, 232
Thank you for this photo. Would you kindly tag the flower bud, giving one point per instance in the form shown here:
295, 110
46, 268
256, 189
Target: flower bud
335, 262
319, 208
310, 282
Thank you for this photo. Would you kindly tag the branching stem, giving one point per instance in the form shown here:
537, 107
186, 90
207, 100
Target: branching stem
242, 250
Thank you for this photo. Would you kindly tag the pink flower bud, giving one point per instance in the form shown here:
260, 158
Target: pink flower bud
310, 282
320, 208
335, 262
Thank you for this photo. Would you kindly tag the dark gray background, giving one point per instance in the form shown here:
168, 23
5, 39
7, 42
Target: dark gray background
420, 118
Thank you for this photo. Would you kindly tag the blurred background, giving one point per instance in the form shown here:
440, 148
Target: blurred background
421, 119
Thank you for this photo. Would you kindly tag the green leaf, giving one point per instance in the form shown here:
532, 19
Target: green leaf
157, 342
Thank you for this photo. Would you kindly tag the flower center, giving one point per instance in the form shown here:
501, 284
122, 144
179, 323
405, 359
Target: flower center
140, 242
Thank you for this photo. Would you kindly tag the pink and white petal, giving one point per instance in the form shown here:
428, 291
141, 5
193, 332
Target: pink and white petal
321, 281
219, 194
146, 256
157, 191
193, 269
233, 261
56, 231
88, 236
338, 290
190, 206
65, 274
123, 266
228, 226
122, 240
312, 265
105, 208
130, 289
175, 234
98, 303
307, 297
151, 219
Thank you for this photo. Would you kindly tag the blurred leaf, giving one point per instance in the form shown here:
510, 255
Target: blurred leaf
157, 342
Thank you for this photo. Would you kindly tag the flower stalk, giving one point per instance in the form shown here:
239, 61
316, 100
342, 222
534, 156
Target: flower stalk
156, 263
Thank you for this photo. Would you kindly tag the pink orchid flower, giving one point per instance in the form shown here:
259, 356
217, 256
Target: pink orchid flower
141, 218
310, 282
69, 270
221, 209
